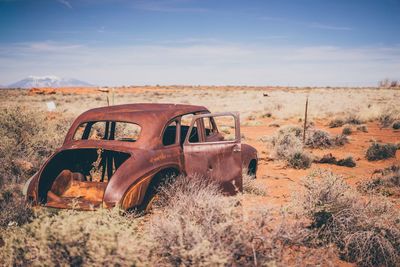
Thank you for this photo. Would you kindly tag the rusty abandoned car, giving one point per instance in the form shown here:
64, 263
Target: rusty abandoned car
119, 155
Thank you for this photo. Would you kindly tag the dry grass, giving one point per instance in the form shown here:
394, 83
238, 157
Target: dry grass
366, 232
365, 104
251, 185
13, 208
27, 138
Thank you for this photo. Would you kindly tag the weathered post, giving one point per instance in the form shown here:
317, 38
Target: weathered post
305, 122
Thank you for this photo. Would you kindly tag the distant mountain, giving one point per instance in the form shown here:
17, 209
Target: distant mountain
47, 81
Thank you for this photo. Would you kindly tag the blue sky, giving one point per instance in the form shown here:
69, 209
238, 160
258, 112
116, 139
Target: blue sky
212, 42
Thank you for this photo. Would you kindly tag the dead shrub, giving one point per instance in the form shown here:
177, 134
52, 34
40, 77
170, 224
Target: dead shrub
386, 183
366, 232
340, 140
250, 185
13, 208
350, 119
379, 151
337, 122
287, 141
321, 139
288, 146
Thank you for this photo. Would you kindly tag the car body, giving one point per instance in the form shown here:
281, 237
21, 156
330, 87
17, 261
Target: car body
119, 155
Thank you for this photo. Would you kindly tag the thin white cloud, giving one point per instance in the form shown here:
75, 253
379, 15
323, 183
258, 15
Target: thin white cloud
329, 27
65, 3
166, 6
315, 25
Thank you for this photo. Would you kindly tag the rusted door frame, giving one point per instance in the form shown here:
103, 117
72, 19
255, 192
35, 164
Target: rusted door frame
219, 160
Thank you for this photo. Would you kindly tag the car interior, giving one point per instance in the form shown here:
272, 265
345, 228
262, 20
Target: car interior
79, 175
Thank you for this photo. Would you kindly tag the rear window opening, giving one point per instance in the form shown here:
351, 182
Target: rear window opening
108, 130
78, 177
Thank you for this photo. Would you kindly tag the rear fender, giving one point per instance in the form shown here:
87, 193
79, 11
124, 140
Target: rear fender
133, 178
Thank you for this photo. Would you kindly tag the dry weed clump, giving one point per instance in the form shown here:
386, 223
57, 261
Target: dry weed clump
350, 119
288, 146
379, 151
321, 139
367, 232
250, 185
386, 183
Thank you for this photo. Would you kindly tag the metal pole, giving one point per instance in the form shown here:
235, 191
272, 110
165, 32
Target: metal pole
305, 122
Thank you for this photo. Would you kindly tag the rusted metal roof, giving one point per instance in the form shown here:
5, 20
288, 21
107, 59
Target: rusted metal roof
151, 117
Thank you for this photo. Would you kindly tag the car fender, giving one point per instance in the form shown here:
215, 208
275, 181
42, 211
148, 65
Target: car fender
133, 178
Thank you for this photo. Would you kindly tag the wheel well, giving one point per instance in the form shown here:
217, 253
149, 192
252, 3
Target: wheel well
155, 182
160, 176
252, 169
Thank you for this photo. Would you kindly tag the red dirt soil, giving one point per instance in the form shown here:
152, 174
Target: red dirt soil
281, 181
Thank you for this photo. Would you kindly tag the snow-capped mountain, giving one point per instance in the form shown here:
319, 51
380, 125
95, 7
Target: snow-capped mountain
47, 81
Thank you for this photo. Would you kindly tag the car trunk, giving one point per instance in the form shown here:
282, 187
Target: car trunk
77, 178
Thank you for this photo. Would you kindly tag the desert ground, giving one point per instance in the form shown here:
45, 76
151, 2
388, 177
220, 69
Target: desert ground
296, 184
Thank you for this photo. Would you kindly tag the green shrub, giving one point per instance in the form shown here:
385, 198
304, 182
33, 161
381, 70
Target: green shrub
337, 122
347, 131
353, 119
362, 128
379, 151
396, 125
347, 162
330, 159
300, 160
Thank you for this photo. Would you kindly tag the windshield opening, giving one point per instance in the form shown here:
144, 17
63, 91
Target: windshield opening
108, 130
